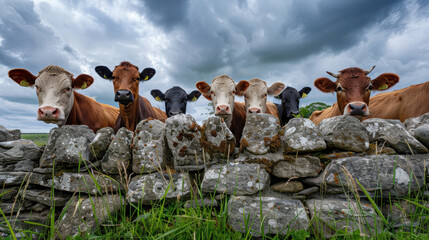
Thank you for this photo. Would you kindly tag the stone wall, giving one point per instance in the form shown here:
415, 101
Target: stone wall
283, 177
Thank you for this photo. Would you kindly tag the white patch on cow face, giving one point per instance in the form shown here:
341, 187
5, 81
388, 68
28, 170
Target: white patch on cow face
55, 95
222, 93
255, 97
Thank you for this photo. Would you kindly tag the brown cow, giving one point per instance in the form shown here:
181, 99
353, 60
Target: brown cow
60, 104
255, 97
401, 104
222, 92
132, 107
353, 88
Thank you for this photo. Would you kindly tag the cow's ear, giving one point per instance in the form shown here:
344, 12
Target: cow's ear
204, 88
304, 91
325, 85
193, 96
82, 81
22, 76
147, 74
276, 89
241, 87
158, 95
104, 72
385, 81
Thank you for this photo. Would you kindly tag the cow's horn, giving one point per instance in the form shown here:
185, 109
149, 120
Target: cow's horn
333, 75
370, 70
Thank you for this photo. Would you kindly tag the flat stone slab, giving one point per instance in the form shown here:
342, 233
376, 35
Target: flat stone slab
239, 179
118, 156
394, 175
303, 166
101, 142
331, 215
278, 215
152, 187
44, 196
78, 182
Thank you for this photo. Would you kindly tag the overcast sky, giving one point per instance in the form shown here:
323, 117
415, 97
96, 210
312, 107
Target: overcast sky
294, 42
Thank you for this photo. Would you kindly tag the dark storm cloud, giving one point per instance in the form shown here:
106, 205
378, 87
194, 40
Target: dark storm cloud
166, 13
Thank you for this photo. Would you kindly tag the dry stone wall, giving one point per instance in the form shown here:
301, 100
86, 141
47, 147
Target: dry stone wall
279, 178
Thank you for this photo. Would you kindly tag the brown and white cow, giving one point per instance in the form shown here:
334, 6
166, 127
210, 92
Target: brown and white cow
132, 107
353, 88
222, 92
60, 104
255, 97
401, 104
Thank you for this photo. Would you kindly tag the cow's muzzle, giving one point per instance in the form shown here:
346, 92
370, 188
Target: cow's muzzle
222, 110
124, 97
356, 109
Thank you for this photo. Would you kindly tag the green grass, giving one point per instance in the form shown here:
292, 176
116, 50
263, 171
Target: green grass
38, 138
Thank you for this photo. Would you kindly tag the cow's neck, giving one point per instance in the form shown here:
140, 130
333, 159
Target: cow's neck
130, 113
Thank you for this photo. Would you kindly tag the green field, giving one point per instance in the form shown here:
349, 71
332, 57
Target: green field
38, 138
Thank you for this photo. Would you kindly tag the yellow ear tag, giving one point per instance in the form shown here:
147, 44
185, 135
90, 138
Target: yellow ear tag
84, 85
304, 95
158, 99
104, 76
194, 99
24, 83
146, 78
384, 86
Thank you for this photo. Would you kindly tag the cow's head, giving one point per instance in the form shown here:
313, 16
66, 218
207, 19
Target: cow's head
126, 78
175, 99
353, 88
54, 89
290, 100
255, 96
222, 92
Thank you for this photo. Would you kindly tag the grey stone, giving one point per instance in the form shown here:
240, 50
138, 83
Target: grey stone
217, 139
302, 135
38, 207
83, 214
68, 145
118, 155
21, 166
411, 124
331, 215
5, 135
150, 153
13, 207
288, 186
8, 194
44, 196
261, 134
345, 132
14, 178
200, 203
18, 150
78, 182
240, 179
16, 134
422, 134
267, 215
43, 170
153, 186
303, 166
308, 191
98, 146
394, 134
183, 137
24, 222
381, 175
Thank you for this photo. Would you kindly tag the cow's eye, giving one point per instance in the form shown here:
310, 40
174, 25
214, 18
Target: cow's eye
234, 92
66, 90
38, 89
339, 89
370, 87
212, 93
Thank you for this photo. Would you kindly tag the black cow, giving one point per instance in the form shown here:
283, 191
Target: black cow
175, 99
290, 103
